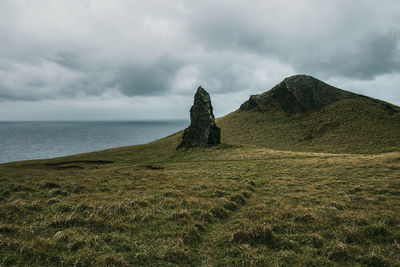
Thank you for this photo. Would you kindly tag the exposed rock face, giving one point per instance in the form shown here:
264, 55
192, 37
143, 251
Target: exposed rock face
297, 94
202, 131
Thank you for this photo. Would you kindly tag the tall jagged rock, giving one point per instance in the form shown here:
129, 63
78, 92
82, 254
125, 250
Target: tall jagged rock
202, 131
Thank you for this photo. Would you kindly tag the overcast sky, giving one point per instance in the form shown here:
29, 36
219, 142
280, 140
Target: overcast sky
143, 60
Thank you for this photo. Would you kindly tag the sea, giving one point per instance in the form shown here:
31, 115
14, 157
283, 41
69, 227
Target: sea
40, 140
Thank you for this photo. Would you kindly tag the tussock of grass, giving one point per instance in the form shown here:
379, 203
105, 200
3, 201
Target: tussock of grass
339, 253
256, 235
374, 259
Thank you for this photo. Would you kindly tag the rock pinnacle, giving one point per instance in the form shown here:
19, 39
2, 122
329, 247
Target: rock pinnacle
202, 131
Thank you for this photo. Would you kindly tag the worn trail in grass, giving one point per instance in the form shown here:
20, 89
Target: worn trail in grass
327, 211
213, 238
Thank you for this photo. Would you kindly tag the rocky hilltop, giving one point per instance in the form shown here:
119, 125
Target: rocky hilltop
301, 94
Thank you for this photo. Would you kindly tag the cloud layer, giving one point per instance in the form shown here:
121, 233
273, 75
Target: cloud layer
83, 49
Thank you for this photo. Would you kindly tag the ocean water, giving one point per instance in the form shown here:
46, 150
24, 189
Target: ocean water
38, 140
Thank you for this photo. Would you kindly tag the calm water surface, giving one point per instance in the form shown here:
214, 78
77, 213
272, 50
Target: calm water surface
37, 140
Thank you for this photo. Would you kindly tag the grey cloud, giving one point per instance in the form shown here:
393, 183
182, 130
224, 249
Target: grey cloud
151, 79
151, 49
374, 55
358, 40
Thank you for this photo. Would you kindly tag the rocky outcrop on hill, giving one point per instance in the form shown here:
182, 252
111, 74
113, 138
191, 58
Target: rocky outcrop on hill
202, 131
297, 94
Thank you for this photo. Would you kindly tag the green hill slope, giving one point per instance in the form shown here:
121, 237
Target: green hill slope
343, 122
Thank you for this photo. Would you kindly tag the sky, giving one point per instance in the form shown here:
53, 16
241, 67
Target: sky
143, 60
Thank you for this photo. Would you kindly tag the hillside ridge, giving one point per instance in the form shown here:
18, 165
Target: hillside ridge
304, 93
302, 113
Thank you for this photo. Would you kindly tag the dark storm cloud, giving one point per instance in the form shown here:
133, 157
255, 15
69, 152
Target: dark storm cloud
357, 40
375, 55
73, 49
150, 79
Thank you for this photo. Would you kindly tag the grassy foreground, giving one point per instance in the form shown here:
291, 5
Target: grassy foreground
225, 205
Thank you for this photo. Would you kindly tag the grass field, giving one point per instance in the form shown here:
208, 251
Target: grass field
256, 199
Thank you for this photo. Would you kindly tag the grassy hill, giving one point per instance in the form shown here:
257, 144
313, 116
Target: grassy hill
305, 114
348, 126
269, 195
